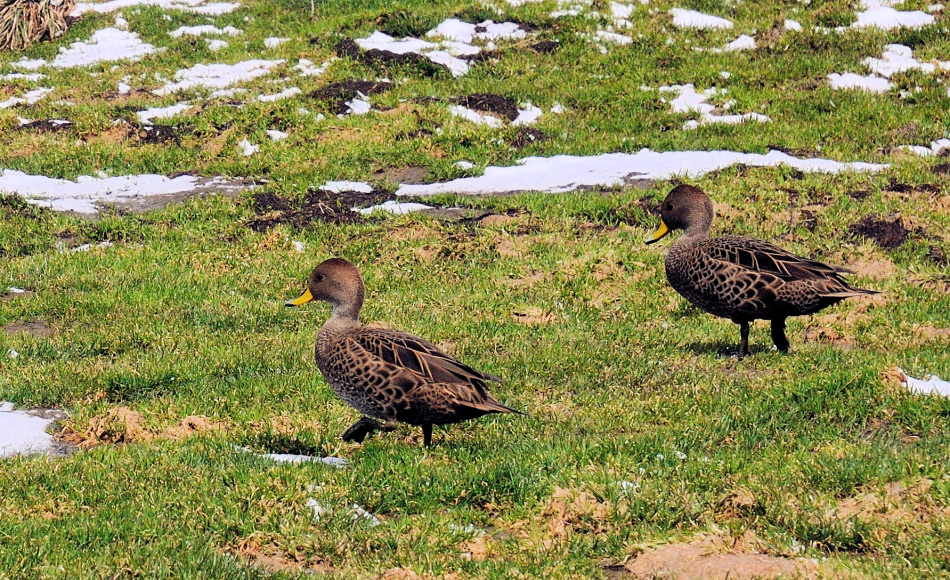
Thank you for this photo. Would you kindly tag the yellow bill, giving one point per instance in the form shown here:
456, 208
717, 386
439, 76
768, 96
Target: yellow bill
300, 300
661, 231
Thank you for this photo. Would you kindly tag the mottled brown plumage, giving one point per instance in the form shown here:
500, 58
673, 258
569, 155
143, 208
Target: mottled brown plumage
742, 278
388, 374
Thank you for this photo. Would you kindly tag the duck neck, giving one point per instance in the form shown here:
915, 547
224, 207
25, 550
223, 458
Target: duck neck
346, 313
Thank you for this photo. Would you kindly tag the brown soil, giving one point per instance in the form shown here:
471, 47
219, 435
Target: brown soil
527, 136
158, 134
47, 126
942, 169
15, 295
34, 328
412, 174
123, 425
545, 46
489, 103
272, 559
887, 233
317, 206
337, 94
384, 58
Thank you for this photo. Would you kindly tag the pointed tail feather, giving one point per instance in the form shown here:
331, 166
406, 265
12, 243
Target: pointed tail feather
852, 293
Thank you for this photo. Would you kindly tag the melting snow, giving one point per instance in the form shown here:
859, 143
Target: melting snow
475, 116
359, 106
339, 186
877, 14
932, 385
284, 94
197, 6
30, 77
899, 58
563, 173
459, 31
307, 68
275, 135
527, 116
147, 115
688, 100
29, 64
337, 462
793, 26
106, 45
871, 84
693, 19
216, 44
247, 148
22, 432
744, 42
28, 98
274, 42
218, 76
204, 29
936, 147
393, 207
82, 195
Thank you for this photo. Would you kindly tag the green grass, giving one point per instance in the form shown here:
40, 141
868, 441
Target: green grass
184, 315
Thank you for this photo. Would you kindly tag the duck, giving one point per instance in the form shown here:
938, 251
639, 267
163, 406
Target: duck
742, 278
386, 374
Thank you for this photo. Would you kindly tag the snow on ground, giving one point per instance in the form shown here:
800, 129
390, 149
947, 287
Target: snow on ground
879, 14
29, 77
276, 135
693, 19
457, 38
393, 207
793, 26
337, 462
247, 148
23, 432
204, 29
274, 42
932, 385
28, 98
307, 68
338, 186
147, 115
196, 6
218, 76
563, 173
359, 106
284, 94
689, 100
871, 84
476, 117
899, 58
935, 148
83, 194
106, 45
216, 44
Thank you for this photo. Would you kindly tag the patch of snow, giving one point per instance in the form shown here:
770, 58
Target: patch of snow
247, 148
147, 115
899, 58
299, 247
358, 106
15, 290
464, 164
744, 42
618, 10
123, 89
284, 94
204, 29
216, 44
464, 32
877, 14
393, 207
932, 385
689, 100
432, 51
871, 84
82, 195
475, 116
527, 116
218, 76
936, 148
276, 135
29, 64
106, 45
935, 8
557, 108
274, 42
22, 432
12, 353
87, 247
793, 25
337, 462
361, 514
196, 6
339, 186
563, 173
28, 98
693, 19
603, 38
29, 77
307, 68
315, 508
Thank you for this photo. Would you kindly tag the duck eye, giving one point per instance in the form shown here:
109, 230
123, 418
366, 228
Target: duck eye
669, 207
318, 278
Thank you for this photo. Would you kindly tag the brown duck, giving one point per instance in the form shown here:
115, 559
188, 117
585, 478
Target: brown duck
742, 278
389, 374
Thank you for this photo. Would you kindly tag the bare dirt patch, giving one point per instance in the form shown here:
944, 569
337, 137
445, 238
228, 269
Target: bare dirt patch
123, 425
267, 556
489, 103
318, 206
888, 233
159, 134
9, 296
874, 269
573, 509
385, 59
897, 502
34, 328
533, 316
47, 126
527, 136
941, 169
337, 94
412, 175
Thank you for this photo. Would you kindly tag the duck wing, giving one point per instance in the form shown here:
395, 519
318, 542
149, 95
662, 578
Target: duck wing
755, 255
407, 351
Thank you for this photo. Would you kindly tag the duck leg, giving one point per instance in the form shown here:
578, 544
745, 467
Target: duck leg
359, 430
427, 434
778, 334
743, 339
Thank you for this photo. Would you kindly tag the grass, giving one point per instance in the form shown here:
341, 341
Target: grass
624, 382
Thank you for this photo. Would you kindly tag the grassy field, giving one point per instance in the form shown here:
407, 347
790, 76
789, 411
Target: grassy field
172, 345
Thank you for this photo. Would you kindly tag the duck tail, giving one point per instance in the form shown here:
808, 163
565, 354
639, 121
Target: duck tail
850, 293
492, 405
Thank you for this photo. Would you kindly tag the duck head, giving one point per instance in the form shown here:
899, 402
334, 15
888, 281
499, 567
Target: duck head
338, 282
685, 208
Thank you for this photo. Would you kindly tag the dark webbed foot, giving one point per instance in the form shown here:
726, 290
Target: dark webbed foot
427, 434
359, 430
778, 335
